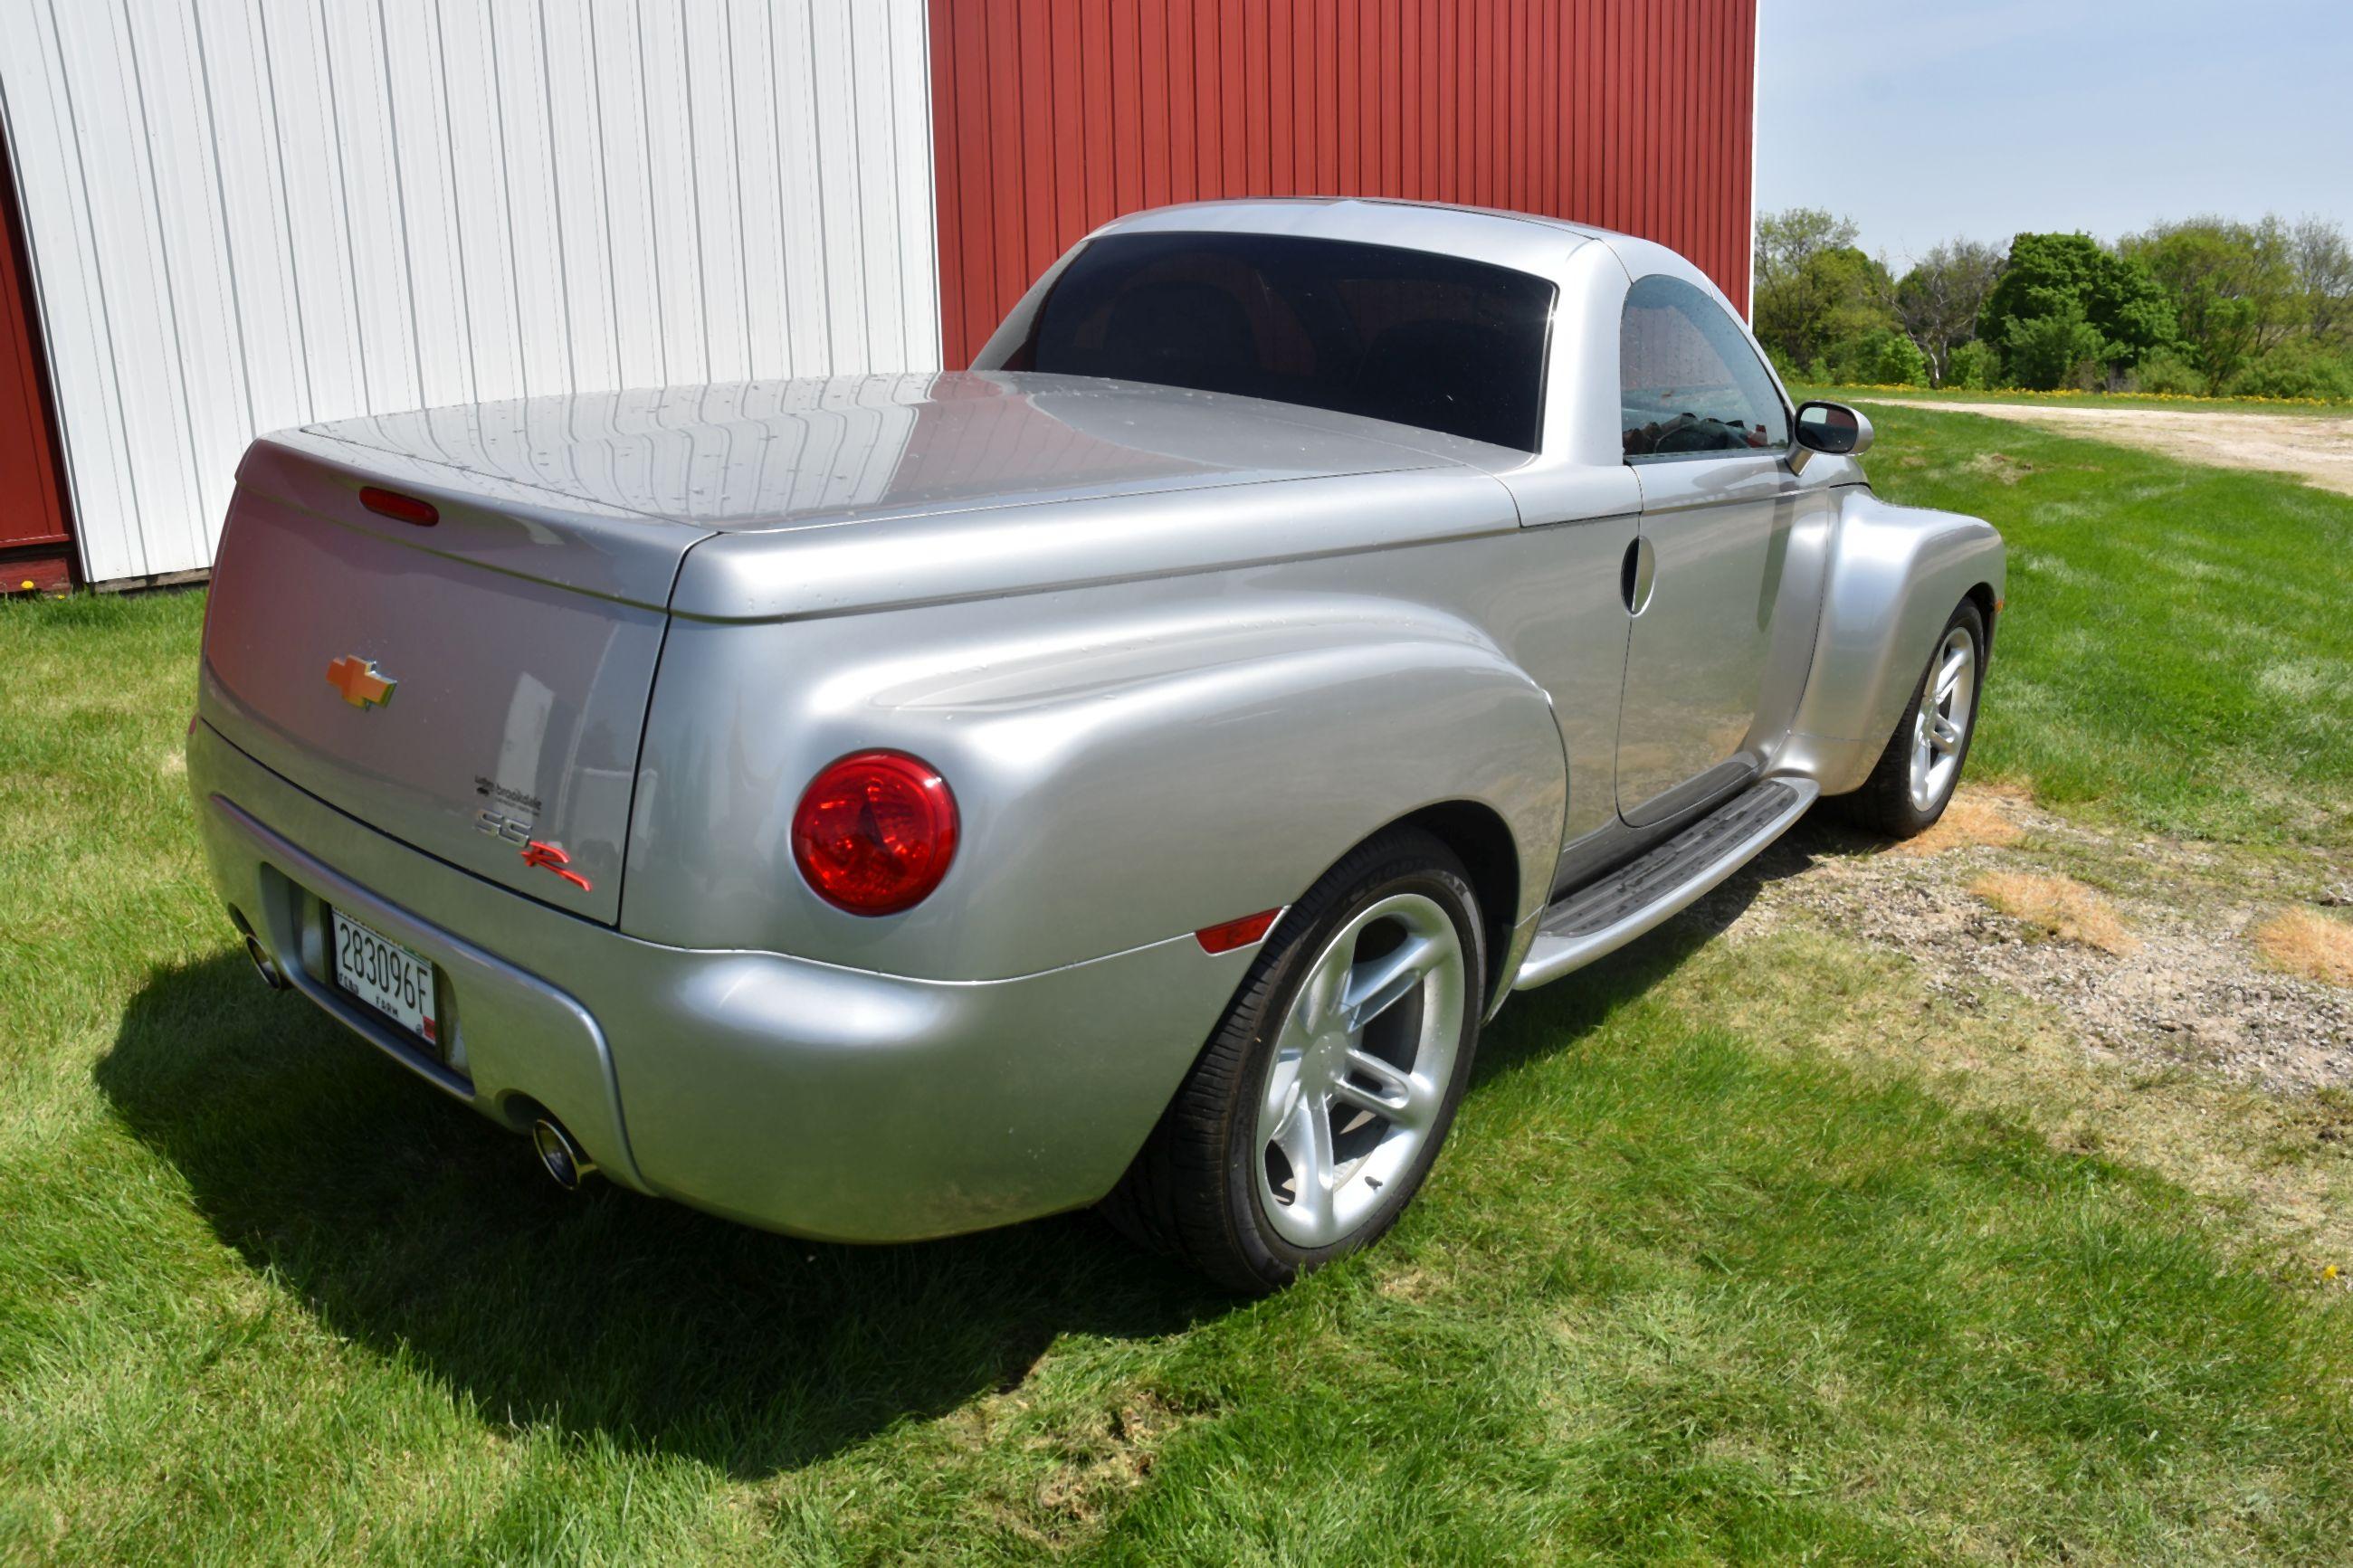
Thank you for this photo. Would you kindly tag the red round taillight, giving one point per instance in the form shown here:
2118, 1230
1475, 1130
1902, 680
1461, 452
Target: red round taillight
874, 833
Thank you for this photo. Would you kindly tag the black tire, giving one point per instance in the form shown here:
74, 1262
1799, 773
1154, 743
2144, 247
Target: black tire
1884, 803
1193, 1191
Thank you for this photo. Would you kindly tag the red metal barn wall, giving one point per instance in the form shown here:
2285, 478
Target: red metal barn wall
1052, 116
35, 551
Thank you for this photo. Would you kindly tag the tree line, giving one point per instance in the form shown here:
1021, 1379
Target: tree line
2207, 305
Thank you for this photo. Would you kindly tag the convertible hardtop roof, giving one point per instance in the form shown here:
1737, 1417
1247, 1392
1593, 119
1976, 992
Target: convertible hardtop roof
1527, 241
1507, 214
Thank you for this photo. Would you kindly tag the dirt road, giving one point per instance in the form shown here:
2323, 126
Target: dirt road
2317, 449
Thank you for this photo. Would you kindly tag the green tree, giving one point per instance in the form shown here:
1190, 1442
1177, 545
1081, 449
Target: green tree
1880, 357
1974, 365
2298, 367
2054, 284
2166, 371
2232, 285
1938, 300
2059, 347
2324, 278
1814, 288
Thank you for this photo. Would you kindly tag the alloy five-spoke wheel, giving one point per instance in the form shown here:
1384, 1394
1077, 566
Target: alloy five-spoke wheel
1359, 1068
1914, 780
1948, 696
1320, 1102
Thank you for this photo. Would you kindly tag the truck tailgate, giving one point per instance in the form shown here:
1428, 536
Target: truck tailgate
472, 687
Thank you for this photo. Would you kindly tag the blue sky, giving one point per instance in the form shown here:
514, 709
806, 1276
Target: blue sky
1987, 117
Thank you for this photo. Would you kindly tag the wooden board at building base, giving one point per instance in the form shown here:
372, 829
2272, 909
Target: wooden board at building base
44, 569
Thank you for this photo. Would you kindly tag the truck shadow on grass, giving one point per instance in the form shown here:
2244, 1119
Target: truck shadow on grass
1556, 1016
411, 1225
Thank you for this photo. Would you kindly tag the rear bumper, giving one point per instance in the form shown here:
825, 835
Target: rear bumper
801, 1097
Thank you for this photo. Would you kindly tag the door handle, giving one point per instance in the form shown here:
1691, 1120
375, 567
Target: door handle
1636, 574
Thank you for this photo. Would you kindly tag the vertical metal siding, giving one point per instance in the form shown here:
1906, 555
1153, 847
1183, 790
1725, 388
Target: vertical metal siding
1053, 116
33, 536
250, 214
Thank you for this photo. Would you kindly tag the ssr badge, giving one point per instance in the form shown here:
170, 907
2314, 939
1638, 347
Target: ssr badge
549, 858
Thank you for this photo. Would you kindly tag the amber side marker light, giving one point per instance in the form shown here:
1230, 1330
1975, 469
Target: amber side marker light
398, 507
874, 833
1235, 934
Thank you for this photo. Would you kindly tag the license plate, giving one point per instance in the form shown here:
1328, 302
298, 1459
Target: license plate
385, 976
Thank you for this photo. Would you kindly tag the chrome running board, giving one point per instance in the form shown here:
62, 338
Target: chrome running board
1665, 881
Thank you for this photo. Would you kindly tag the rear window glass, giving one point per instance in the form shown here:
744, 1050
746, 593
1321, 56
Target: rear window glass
1420, 339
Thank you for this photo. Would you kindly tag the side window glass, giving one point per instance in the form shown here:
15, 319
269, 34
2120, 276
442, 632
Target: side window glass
1688, 382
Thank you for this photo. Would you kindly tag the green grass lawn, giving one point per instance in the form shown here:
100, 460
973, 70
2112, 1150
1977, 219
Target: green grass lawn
1694, 1281
2178, 650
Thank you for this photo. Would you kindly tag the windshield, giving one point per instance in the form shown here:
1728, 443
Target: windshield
1408, 336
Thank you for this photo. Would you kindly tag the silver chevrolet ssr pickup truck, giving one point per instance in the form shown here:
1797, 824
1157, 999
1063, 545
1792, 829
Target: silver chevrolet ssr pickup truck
1128, 773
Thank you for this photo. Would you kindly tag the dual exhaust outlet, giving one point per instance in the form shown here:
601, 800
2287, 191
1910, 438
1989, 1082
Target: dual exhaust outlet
263, 964
560, 1155
567, 1163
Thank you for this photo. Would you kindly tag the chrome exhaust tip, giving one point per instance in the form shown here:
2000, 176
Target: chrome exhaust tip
263, 964
567, 1163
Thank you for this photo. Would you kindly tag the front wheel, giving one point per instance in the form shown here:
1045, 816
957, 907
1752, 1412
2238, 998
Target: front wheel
1915, 778
1320, 1102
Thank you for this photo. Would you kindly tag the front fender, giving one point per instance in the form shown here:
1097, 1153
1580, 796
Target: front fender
1895, 574
1129, 763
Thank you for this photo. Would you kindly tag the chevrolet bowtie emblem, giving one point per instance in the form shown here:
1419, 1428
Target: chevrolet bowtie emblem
358, 680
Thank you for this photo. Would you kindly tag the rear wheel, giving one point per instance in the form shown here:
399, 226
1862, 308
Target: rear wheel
1319, 1105
1916, 775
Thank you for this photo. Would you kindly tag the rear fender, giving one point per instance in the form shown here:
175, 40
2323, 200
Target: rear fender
1129, 764
1895, 574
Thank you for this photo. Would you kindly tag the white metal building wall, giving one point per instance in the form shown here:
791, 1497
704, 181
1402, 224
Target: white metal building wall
250, 214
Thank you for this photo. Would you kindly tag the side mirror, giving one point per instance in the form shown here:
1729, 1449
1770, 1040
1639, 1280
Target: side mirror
1833, 429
